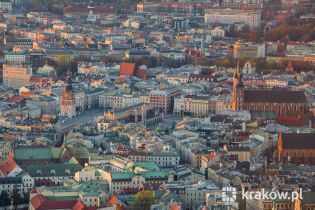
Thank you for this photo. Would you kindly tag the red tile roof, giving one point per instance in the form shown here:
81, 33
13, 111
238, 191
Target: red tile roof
120, 148
39, 202
120, 80
141, 73
16, 99
8, 137
112, 200
33, 191
212, 155
175, 207
35, 79
7, 166
127, 69
27, 94
78, 206
44, 182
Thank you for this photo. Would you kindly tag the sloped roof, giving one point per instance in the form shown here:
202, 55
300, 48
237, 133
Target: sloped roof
148, 165
274, 96
127, 69
122, 175
39, 202
308, 198
52, 169
141, 73
56, 152
298, 140
120, 80
7, 166
79, 152
29, 153
112, 200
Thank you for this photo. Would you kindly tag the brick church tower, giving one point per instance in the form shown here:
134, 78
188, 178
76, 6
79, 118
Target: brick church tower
67, 99
289, 68
238, 90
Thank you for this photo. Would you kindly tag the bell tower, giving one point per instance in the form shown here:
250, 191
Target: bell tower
67, 99
238, 90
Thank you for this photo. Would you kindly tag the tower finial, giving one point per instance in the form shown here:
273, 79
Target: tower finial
68, 86
238, 75
238, 66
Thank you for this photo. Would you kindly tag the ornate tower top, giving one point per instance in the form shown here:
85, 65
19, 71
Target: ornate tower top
289, 67
68, 85
238, 76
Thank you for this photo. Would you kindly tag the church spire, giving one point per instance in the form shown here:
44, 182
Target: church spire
238, 88
238, 66
238, 75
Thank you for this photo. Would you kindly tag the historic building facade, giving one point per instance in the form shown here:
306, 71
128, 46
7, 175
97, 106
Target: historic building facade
67, 100
16, 76
271, 102
297, 148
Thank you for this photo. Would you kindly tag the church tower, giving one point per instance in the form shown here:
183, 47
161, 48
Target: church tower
238, 90
67, 99
289, 68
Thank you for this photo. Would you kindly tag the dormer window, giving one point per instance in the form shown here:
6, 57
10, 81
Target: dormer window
39, 172
53, 172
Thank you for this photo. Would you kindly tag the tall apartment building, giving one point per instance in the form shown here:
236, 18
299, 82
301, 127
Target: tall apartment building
249, 50
163, 99
232, 16
16, 76
180, 23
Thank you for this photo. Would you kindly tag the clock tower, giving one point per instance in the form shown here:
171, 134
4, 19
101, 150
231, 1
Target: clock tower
67, 99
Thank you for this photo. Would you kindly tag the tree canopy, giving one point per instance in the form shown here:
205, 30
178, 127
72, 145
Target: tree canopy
144, 200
